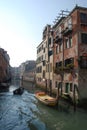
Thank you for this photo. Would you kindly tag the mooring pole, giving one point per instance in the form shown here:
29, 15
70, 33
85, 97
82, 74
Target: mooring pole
74, 99
58, 96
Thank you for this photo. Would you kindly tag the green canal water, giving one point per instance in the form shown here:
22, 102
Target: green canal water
26, 113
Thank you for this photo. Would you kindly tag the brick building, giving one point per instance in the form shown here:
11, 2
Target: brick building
70, 53
67, 40
5, 73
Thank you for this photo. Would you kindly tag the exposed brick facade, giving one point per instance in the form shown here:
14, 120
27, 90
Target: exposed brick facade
4, 65
69, 58
72, 74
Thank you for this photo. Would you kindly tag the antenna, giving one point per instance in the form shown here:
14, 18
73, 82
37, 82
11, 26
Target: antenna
76, 3
63, 13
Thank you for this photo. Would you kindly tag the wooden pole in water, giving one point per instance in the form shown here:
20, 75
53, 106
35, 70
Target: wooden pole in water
74, 95
21, 82
58, 96
74, 99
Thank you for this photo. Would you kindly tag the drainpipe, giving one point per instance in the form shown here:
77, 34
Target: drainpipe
50, 89
48, 62
62, 75
50, 83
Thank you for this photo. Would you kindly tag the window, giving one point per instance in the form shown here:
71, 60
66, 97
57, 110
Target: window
50, 84
71, 87
56, 84
43, 73
58, 64
39, 69
60, 47
60, 85
50, 67
44, 63
67, 88
83, 62
69, 61
50, 53
57, 49
43, 50
84, 38
83, 18
49, 41
47, 67
70, 23
42, 58
68, 42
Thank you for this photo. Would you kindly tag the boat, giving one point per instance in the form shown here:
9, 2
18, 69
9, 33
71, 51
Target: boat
19, 91
46, 99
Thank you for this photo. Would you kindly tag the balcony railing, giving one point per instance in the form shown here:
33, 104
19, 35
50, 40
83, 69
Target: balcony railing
68, 69
58, 39
67, 31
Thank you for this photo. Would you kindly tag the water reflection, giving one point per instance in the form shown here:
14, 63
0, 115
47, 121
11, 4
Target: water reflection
19, 112
26, 113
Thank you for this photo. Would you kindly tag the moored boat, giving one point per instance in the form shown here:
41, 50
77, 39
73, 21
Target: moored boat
18, 91
46, 99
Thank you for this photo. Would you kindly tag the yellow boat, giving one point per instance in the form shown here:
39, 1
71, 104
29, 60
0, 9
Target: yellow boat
46, 99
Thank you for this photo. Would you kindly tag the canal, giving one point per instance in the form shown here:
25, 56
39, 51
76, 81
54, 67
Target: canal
26, 113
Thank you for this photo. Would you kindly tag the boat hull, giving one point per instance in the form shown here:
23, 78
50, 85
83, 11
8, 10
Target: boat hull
18, 91
46, 99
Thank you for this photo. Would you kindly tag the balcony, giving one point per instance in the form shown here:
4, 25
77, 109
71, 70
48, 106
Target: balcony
58, 39
67, 31
68, 69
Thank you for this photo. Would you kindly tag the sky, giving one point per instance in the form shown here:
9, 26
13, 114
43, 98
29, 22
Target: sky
22, 23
